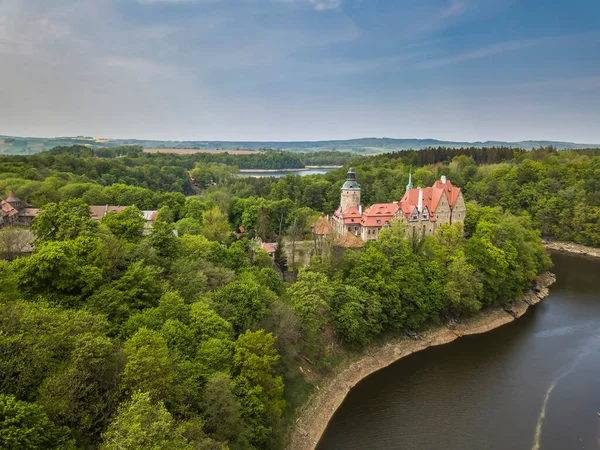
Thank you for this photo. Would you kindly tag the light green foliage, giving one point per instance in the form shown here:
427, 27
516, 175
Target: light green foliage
60, 267
26, 426
259, 389
242, 302
127, 224
61, 221
309, 297
164, 240
144, 424
188, 225
215, 225
149, 367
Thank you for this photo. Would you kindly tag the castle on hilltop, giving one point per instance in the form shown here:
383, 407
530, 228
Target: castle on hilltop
423, 210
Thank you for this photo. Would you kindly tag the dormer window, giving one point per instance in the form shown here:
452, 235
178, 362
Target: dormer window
378, 222
415, 215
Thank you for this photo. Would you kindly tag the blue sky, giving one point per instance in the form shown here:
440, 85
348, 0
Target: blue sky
301, 69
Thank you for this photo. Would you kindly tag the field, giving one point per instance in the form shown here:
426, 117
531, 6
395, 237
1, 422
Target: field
187, 151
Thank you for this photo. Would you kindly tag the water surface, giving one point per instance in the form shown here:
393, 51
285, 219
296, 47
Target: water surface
283, 173
531, 384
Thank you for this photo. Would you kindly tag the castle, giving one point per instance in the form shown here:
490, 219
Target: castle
423, 210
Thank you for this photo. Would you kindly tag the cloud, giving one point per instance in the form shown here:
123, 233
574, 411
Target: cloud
455, 8
478, 53
324, 5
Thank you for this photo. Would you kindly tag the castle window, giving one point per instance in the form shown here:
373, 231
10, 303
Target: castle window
415, 215
425, 214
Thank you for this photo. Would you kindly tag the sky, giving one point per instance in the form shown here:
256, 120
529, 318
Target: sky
285, 70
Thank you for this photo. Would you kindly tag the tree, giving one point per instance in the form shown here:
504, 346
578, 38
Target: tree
62, 221
127, 224
63, 269
26, 426
259, 390
279, 256
14, 242
223, 412
215, 225
149, 367
144, 424
163, 239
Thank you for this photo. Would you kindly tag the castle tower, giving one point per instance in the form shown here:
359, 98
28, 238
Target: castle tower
350, 192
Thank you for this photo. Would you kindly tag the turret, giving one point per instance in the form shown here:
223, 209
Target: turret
350, 192
409, 186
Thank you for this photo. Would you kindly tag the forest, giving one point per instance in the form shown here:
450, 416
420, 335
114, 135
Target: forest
116, 336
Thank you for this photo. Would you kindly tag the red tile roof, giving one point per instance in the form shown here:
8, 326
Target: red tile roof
431, 198
267, 247
378, 214
29, 212
98, 212
322, 227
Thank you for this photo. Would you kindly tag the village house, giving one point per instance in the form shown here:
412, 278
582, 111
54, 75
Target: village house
14, 211
422, 210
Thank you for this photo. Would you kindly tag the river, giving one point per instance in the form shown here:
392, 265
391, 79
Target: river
531, 384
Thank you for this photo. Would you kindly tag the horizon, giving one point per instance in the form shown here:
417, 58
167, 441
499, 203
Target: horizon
242, 141
301, 70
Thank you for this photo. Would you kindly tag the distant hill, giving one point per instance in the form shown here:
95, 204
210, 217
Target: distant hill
11, 145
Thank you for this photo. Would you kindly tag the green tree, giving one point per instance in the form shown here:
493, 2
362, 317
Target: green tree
149, 367
62, 221
26, 426
144, 424
127, 224
215, 225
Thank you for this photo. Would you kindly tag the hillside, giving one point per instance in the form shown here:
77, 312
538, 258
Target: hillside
10, 145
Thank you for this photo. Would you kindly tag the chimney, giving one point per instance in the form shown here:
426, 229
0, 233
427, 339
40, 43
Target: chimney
443, 179
360, 209
420, 204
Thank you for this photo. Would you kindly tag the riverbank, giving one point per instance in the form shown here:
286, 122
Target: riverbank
330, 392
568, 247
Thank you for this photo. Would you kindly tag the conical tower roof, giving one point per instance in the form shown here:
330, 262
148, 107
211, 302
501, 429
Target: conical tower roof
12, 198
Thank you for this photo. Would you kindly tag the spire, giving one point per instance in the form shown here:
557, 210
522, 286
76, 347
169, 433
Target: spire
409, 186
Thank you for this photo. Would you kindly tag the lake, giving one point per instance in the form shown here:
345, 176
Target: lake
283, 173
531, 384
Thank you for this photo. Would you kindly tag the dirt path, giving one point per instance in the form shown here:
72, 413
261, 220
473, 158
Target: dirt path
568, 247
330, 392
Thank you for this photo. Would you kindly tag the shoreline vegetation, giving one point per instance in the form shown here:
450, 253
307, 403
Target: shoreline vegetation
312, 418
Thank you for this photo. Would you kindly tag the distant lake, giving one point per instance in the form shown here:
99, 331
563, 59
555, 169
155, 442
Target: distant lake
283, 173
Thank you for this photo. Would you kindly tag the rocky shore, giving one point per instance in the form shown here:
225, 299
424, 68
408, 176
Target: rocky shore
568, 247
330, 392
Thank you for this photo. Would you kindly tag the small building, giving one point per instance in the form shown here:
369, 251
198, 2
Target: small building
268, 248
16, 212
